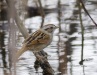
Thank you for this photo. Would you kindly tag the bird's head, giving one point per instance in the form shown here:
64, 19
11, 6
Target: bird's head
49, 28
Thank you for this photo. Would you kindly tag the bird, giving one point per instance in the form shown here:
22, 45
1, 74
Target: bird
38, 40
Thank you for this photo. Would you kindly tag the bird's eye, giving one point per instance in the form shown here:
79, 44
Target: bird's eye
51, 27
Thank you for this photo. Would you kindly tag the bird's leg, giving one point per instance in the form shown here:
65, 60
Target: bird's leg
44, 54
40, 56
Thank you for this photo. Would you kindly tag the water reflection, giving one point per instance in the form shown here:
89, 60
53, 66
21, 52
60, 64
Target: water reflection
3, 53
65, 50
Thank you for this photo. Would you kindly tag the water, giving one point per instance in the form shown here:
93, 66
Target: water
65, 50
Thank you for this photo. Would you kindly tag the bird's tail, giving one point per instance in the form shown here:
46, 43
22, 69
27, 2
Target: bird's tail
20, 52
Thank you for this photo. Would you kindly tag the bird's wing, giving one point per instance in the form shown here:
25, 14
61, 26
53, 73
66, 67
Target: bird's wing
36, 38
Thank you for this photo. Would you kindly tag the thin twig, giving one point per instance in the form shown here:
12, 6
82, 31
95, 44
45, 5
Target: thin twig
59, 15
41, 13
87, 12
82, 30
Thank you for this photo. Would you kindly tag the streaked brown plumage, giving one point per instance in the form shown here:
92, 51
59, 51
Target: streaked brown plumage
38, 40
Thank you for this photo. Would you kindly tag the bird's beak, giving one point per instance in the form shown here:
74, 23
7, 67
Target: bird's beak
57, 27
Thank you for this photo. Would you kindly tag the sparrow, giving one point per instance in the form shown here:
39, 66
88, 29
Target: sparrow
38, 40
